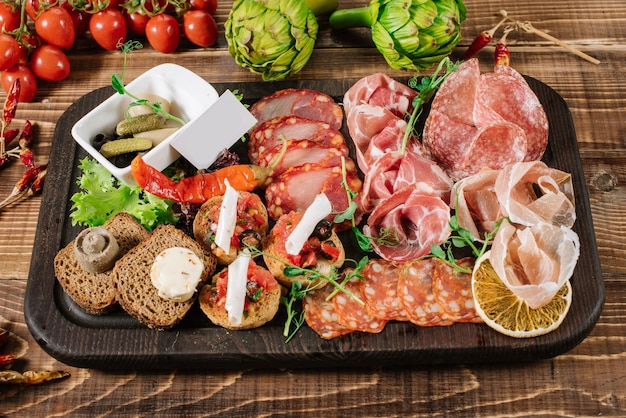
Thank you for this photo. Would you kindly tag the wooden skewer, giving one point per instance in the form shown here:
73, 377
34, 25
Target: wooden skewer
528, 27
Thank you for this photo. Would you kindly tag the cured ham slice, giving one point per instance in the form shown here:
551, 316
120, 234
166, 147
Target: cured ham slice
532, 192
270, 134
305, 103
380, 291
534, 262
476, 204
320, 314
302, 152
394, 171
407, 224
484, 121
415, 287
380, 90
453, 291
296, 188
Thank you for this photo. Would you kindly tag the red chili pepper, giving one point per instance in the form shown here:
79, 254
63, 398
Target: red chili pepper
502, 55
6, 360
10, 135
10, 104
27, 158
26, 138
199, 188
482, 40
30, 178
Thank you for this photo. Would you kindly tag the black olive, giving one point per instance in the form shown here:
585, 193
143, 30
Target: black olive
123, 160
253, 291
101, 139
323, 230
250, 238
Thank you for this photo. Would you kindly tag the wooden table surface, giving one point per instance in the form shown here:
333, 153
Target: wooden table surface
589, 380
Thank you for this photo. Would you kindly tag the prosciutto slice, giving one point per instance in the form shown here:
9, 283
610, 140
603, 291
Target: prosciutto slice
380, 90
532, 192
484, 121
408, 223
394, 171
534, 262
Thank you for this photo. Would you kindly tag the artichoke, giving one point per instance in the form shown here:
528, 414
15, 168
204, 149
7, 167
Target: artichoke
274, 38
410, 35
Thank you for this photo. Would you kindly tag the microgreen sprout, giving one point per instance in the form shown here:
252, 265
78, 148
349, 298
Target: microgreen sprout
117, 81
426, 86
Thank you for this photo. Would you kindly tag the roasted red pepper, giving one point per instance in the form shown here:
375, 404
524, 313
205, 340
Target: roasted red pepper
199, 188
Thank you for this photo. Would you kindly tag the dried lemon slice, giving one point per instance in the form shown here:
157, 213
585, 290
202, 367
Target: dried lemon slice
503, 311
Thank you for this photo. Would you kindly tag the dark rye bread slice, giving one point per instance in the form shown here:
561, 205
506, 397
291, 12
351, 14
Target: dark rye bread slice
134, 290
95, 292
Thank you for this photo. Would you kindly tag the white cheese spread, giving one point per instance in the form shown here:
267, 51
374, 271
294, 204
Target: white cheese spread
176, 273
318, 210
228, 218
236, 289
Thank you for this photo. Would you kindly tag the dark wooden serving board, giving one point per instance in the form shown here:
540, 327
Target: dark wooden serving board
116, 341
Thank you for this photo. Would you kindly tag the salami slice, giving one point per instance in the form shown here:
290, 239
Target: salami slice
380, 291
320, 314
306, 103
270, 134
453, 291
415, 287
354, 315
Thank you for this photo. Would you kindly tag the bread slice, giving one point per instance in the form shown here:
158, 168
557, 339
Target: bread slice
256, 314
134, 290
276, 258
95, 292
251, 214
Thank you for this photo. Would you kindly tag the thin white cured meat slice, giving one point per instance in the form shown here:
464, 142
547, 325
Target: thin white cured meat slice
352, 313
380, 90
320, 314
535, 261
531, 192
410, 222
506, 93
296, 188
395, 170
376, 131
270, 134
415, 287
306, 103
380, 291
453, 291
302, 152
476, 203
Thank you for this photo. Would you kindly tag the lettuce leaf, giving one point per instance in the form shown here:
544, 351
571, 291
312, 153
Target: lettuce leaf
102, 196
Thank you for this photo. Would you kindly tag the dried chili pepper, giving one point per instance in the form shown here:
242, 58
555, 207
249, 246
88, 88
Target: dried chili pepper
26, 139
502, 55
6, 360
10, 103
484, 38
31, 377
30, 183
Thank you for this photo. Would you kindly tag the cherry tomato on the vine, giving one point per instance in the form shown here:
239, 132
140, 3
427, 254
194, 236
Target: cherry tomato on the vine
206, 5
35, 7
49, 63
9, 51
136, 22
80, 19
9, 17
28, 81
108, 28
200, 27
163, 33
55, 26
28, 43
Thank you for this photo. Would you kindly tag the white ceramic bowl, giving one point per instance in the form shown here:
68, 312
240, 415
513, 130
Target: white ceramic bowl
189, 94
